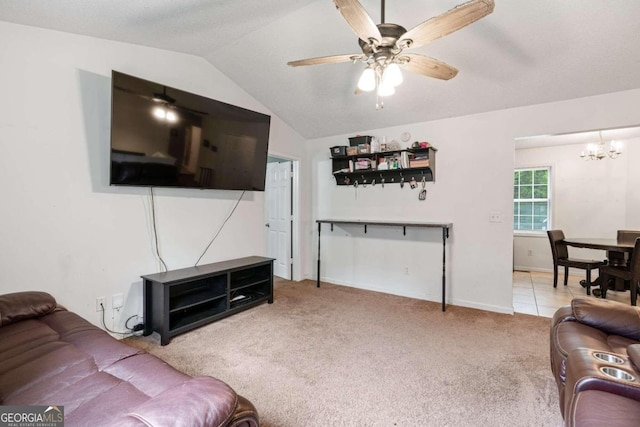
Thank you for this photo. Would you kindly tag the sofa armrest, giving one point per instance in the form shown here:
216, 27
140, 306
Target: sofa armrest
25, 305
611, 317
634, 355
246, 414
198, 402
562, 314
585, 372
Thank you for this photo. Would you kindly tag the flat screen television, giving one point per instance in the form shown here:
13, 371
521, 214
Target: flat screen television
166, 137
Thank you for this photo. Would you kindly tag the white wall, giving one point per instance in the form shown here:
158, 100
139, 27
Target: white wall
474, 178
632, 219
63, 229
590, 199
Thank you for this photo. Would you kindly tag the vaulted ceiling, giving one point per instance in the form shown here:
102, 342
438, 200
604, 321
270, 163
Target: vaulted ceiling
526, 52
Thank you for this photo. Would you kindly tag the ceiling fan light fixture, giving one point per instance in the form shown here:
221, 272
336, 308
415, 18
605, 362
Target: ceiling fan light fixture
392, 75
382, 44
385, 89
367, 81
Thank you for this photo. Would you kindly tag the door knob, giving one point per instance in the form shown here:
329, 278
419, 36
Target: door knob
267, 225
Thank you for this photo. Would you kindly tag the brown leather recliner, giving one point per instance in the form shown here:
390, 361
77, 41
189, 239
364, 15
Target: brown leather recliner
595, 358
51, 356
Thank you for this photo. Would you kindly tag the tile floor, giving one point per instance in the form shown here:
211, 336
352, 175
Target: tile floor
533, 293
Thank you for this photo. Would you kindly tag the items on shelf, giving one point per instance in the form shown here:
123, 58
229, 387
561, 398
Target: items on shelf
370, 159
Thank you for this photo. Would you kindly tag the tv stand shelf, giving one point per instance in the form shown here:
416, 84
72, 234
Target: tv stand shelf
178, 301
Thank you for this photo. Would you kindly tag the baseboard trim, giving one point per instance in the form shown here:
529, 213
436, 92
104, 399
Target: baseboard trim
536, 269
572, 271
427, 297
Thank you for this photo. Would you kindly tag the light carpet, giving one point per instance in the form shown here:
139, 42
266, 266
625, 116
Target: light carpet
340, 356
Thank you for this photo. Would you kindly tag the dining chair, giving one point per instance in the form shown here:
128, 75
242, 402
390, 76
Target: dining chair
630, 273
560, 253
628, 236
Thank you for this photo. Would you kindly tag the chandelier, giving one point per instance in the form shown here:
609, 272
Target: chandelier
598, 151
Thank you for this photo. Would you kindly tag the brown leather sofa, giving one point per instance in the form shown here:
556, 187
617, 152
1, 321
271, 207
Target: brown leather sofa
51, 356
595, 358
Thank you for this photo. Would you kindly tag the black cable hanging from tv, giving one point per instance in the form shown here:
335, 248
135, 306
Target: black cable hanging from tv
220, 229
155, 231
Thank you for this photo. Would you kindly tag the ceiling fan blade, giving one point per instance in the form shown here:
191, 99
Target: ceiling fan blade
427, 66
335, 59
450, 21
359, 20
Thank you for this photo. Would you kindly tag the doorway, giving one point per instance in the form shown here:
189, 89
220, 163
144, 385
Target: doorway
281, 216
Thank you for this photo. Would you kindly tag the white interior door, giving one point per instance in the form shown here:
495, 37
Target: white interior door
278, 217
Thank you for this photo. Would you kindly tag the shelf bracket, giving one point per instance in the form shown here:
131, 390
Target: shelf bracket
331, 227
404, 230
365, 229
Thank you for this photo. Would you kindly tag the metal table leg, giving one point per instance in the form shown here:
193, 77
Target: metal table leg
445, 234
318, 273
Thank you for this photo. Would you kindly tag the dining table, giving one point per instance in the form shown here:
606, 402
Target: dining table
618, 252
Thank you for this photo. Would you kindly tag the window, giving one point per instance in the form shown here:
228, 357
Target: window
531, 199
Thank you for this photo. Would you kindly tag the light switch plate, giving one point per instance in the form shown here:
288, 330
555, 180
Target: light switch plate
495, 217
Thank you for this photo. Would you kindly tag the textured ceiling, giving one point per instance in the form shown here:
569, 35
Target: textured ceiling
526, 52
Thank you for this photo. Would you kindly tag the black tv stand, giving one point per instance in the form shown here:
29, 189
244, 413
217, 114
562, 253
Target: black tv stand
178, 301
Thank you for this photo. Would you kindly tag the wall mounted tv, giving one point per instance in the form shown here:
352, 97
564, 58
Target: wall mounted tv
165, 137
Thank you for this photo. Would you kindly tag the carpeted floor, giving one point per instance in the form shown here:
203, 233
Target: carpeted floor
339, 356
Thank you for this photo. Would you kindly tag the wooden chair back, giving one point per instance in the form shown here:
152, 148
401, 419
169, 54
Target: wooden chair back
558, 248
634, 263
628, 236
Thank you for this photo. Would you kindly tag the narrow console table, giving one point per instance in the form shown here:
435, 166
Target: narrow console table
404, 224
177, 301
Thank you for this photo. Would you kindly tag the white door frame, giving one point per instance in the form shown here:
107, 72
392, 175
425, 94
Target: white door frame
295, 208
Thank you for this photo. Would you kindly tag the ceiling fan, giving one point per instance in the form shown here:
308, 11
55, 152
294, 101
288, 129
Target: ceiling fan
383, 45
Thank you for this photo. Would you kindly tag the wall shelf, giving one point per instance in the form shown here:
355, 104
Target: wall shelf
346, 172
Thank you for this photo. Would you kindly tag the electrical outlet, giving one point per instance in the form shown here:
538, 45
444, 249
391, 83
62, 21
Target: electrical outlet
100, 303
117, 301
495, 217
406, 271
529, 252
